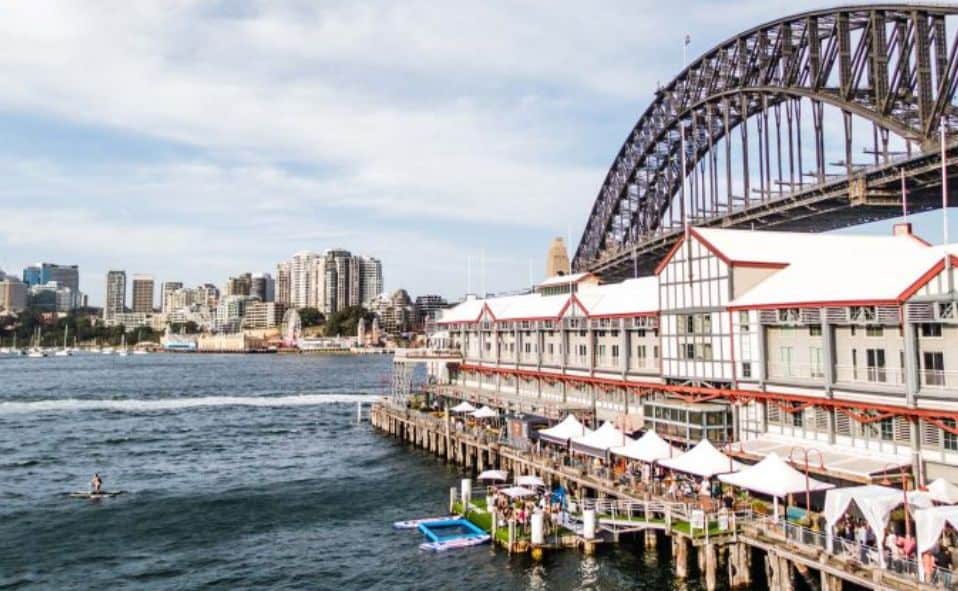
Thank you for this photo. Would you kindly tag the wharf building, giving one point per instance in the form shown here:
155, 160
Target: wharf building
758, 341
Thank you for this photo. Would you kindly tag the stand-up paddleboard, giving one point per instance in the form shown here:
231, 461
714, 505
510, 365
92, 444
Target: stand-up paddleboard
103, 494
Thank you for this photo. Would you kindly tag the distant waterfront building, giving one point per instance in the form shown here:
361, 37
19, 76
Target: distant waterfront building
166, 290
115, 302
557, 262
143, 294
395, 313
261, 315
13, 294
239, 285
208, 295
282, 283
263, 286
426, 308
300, 275
52, 297
230, 312
370, 279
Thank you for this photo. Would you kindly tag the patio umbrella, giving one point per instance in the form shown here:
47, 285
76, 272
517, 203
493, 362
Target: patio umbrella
494, 475
530, 481
463, 407
485, 413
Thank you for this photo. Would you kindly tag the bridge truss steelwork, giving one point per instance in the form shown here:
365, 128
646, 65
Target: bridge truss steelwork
763, 131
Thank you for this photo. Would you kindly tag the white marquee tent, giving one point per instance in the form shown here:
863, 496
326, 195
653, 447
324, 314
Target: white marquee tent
463, 407
702, 460
648, 448
599, 442
774, 477
875, 503
942, 491
928, 525
530, 481
517, 492
567, 429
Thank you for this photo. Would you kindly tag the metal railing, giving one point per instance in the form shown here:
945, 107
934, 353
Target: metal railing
859, 374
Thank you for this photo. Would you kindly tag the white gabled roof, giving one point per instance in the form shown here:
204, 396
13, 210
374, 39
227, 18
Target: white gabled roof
648, 448
567, 429
765, 247
467, 311
633, 296
880, 274
602, 439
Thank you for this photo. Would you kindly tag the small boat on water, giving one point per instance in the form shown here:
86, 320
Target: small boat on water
36, 350
65, 351
123, 351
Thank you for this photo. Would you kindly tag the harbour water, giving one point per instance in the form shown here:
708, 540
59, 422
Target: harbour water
240, 472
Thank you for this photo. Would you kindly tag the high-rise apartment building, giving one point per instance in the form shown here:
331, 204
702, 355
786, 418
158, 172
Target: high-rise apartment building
300, 275
143, 294
263, 286
239, 285
13, 294
166, 291
282, 283
426, 308
115, 302
370, 279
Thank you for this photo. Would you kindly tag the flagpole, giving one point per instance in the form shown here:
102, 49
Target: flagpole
904, 197
944, 205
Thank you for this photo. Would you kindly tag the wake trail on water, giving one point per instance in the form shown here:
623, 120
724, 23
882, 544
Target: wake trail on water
134, 405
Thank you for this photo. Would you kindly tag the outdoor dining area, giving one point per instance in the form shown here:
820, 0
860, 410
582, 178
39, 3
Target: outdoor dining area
912, 532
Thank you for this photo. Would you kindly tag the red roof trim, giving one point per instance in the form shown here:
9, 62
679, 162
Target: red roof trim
710, 246
669, 255
926, 277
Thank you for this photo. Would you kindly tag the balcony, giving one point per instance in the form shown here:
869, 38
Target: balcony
805, 372
938, 379
875, 376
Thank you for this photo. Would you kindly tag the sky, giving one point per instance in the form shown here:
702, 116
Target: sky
198, 140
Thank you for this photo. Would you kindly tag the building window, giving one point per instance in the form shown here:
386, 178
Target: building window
854, 363
743, 320
785, 357
815, 330
949, 440
887, 429
705, 352
640, 352
797, 418
689, 350
874, 331
615, 352
746, 370
815, 358
934, 368
929, 330
875, 359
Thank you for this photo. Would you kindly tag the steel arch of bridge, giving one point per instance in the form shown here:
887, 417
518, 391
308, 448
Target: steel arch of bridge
893, 65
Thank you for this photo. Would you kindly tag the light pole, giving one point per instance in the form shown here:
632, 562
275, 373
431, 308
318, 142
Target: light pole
904, 490
821, 464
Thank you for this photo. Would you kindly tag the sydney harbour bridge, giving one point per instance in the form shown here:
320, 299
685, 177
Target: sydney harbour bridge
813, 122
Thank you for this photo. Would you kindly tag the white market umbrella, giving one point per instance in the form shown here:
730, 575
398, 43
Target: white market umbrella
463, 407
494, 475
485, 413
530, 481
517, 492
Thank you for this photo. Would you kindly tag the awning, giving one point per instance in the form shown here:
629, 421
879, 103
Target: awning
599, 442
942, 491
567, 429
825, 459
463, 407
494, 475
773, 477
702, 460
517, 491
485, 413
648, 448
530, 481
